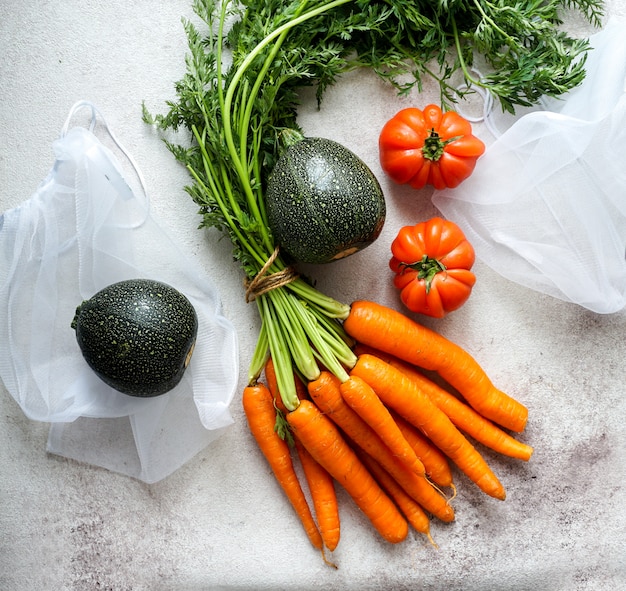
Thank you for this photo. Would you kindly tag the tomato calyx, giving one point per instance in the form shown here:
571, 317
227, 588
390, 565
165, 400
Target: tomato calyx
427, 268
434, 145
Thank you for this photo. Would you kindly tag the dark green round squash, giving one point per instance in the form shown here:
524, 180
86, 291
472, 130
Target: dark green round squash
323, 202
137, 335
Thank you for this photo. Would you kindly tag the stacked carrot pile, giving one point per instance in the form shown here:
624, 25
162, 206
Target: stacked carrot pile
387, 433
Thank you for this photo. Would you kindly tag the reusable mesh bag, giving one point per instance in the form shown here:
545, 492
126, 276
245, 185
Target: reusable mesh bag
546, 207
83, 229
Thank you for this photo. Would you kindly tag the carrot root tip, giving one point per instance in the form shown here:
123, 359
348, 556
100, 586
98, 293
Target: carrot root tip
328, 562
438, 489
432, 541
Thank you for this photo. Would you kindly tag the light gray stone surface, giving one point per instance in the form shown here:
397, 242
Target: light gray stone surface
220, 521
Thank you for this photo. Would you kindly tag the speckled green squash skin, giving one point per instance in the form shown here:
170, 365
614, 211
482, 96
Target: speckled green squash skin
323, 202
137, 335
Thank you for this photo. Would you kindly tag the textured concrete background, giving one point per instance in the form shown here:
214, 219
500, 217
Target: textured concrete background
220, 521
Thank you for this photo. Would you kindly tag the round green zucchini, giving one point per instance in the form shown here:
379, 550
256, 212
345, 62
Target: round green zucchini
323, 202
137, 335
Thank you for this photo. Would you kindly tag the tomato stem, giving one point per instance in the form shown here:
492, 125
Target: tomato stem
434, 145
427, 268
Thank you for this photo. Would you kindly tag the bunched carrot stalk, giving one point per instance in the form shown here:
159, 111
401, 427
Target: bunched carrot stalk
236, 110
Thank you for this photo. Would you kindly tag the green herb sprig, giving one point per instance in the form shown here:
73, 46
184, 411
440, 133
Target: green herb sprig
520, 42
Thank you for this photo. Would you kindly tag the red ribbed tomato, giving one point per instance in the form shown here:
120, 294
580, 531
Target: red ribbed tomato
429, 147
432, 262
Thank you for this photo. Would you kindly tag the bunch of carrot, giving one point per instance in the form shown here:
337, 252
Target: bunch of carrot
387, 433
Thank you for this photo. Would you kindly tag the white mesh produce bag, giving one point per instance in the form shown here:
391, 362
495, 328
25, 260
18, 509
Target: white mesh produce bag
83, 229
546, 206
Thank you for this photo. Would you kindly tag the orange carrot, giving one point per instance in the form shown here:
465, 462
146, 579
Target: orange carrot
462, 416
260, 412
414, 513
323, 495
366, 403
324, 442
435, 462
320, 482
326, 394
399, 392
392, 332
466, 418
